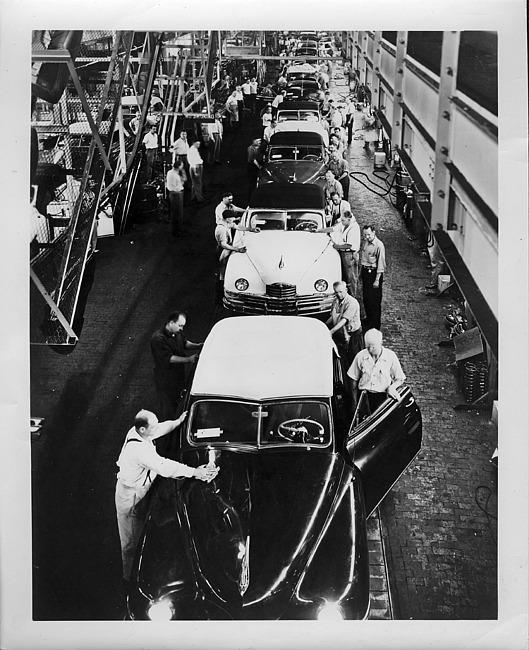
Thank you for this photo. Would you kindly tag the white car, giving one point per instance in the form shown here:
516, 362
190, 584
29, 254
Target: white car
287, 268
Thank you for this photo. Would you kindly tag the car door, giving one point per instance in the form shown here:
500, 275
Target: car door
384, 443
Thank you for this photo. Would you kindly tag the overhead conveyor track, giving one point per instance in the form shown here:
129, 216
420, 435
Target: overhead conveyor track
83, 157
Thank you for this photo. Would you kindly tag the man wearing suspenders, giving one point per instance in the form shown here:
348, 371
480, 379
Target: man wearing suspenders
139, 464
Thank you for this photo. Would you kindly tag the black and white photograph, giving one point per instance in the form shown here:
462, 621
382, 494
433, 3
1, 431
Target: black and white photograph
265, 361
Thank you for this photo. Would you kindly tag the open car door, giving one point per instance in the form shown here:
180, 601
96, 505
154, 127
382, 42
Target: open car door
384, 443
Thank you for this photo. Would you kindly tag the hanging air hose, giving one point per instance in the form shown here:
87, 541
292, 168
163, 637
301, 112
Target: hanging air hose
386, 191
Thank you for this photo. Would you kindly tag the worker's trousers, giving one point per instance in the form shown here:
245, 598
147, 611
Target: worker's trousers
131, 508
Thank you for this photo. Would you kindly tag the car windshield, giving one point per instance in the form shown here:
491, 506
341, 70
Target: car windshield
216, 422
298, 220
286, 116
296, 153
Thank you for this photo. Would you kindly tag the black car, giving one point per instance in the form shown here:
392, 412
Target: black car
304, 89
294, 156
281, 532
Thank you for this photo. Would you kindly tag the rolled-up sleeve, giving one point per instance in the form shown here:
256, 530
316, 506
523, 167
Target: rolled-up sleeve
150, 459
354, 371
381, 258
396, 369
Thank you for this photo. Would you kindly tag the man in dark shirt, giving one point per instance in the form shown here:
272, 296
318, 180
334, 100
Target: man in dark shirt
169, 350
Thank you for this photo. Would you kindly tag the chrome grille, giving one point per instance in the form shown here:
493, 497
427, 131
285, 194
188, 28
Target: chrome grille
264, 304
281, 290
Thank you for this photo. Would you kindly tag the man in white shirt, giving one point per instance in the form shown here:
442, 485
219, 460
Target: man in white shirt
346, 238
278, 99
376, 370
350, 109
336, 118
196, 167
270, 130
139, 464
253, 94
232, 106
174, 185
247, 94
337, 207
215, 131
180, 148
224, 238
151, 143
344, 322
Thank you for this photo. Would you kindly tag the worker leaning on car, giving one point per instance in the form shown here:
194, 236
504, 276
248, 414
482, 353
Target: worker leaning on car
377, 371
224, 238
139, 464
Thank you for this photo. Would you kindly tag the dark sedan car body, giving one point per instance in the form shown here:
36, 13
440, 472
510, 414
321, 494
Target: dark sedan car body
307, 89
281, 532
295, 156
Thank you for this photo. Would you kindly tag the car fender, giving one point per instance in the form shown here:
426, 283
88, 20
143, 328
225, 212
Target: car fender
338, 570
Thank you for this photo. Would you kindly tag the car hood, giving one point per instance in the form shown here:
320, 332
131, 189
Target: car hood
241, 544
295, 172
254, 528
285, 256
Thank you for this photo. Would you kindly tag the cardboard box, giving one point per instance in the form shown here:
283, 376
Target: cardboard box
443, 282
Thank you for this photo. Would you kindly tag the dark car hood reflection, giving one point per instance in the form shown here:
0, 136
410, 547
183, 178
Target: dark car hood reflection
249, 533
299, 171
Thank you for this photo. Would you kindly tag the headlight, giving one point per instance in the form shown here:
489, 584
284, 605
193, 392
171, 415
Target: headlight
161, 610
321, 285
241, 284
330, 612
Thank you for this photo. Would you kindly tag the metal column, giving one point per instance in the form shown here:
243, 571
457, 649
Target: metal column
443, 140
396, 127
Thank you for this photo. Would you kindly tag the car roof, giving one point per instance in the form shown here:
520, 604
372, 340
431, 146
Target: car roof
302, 126
302, 67
287, 196
266, 357
288, 105
296, 137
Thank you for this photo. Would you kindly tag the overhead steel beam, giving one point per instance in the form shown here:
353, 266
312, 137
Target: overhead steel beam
266, 57
55, 310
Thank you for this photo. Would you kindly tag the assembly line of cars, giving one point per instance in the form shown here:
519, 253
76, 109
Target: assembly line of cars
281, 532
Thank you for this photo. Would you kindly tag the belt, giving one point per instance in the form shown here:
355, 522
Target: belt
369, 268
